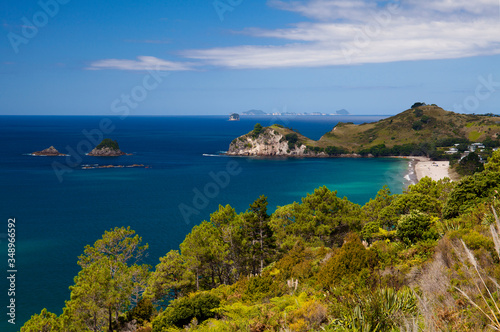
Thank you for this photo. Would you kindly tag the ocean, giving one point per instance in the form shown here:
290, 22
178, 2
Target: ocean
59, 207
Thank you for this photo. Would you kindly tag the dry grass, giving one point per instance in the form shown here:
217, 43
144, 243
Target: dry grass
397, 130
484, 297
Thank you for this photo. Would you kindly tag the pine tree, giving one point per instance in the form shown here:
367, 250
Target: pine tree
260, 234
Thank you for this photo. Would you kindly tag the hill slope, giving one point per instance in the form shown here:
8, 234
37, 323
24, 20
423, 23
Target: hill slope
429, 125
424, 124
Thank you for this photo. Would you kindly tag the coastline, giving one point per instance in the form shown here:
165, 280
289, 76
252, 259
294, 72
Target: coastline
420, 167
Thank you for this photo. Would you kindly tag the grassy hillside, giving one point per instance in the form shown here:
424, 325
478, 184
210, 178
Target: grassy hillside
287, 132
429, 124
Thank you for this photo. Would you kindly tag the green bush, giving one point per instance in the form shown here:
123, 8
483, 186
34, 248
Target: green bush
470, 164
351, 262
471, 191
142, 312
108, 143
182, 311
369, 229
414, 227
425, 119
257, 129
417, 125
335, 151
418, 104
292, 139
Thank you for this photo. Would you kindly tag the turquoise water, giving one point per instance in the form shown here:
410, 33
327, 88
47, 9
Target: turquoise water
57, 216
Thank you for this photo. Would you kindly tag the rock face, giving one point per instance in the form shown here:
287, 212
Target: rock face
107, 148
268, 143
51, 152
278, 141
106, 152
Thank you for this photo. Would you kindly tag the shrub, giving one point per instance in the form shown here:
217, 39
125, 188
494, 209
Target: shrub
370, 229
470, 164
418, 104
108, 143
44, 322
417, 125
352, 261
182, 311
384, 310
334, 151
142, 312
257, 129
292, 139
425, 119
471, 191
414, 227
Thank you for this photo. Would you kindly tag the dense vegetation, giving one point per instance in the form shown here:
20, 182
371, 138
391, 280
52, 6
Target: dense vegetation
424, 260
108, 143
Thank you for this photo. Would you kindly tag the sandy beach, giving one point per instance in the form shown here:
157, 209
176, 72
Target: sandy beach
436, 170
420, 167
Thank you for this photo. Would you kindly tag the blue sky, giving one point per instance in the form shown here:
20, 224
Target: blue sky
186, 57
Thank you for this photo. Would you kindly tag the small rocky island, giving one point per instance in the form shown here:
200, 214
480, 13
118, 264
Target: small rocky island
107, 148
49, 152
234, 117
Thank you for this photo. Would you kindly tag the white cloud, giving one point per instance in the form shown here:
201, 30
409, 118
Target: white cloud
142, 63
476, 7
326, 10
355, 32
342, 32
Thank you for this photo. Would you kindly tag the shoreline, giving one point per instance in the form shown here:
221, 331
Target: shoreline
421, 167
418, 166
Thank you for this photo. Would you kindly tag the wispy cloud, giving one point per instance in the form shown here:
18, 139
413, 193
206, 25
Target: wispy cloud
343, 32
326, 10
142, 63
148, 41
355, 32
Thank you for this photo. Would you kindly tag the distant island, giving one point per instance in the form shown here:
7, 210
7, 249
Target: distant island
254, 112
49, 152
342, 112
107, 148
259, 112
422, 130
234, 117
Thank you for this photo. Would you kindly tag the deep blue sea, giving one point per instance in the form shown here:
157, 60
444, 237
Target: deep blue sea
58, 213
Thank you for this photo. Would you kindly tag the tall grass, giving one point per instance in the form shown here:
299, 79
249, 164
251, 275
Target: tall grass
490, 307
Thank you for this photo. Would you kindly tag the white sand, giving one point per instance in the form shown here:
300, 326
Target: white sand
436, 170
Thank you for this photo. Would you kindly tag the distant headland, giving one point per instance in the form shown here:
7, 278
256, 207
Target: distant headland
262, 113
422, 130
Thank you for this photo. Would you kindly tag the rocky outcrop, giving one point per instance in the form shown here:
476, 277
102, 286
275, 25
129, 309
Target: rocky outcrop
267, 143
49, 152
107, 148
278, 141
106, 152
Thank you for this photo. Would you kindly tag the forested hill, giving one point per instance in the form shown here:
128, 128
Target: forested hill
424, 260
420, 130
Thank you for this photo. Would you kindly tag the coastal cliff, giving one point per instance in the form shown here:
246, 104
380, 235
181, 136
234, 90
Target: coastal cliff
277, 140
266, 142
107, 148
